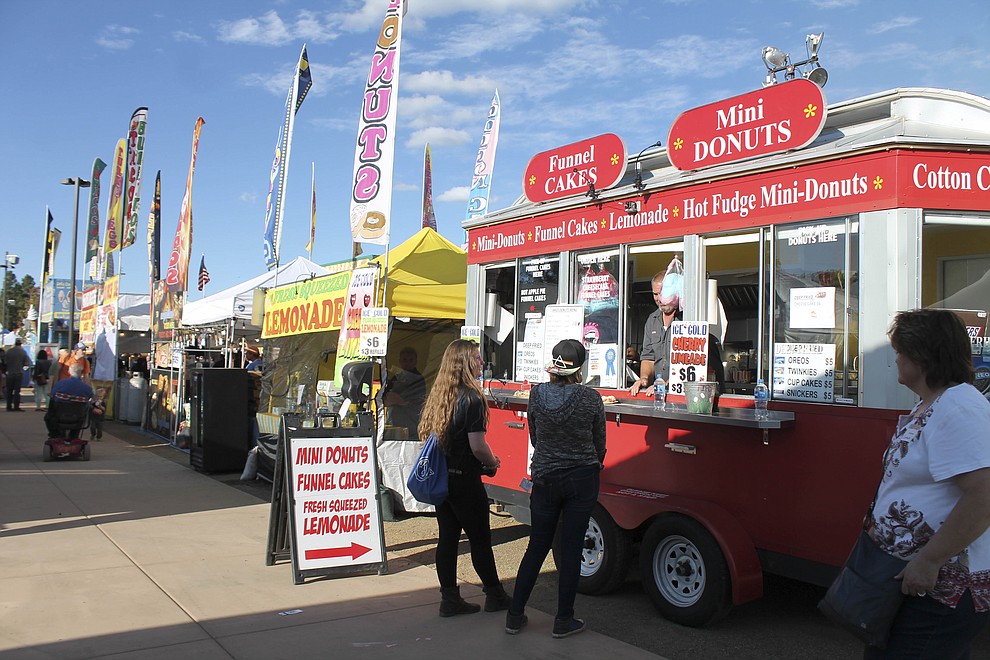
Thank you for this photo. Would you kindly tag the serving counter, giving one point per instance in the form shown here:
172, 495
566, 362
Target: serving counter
674, 412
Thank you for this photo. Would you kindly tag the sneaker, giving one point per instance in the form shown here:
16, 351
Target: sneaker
514, 623
567, 627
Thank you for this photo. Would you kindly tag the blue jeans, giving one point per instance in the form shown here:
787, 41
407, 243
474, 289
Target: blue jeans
13, 392
568, 496
925, 629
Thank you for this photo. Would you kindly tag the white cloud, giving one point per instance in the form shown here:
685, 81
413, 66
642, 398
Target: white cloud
440, 82
117, 37
181, 35
277, 83
455, 194
248, 197
271, 30
438, 136
893, 24
405, 187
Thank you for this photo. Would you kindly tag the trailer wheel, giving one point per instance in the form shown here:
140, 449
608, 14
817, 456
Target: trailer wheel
605, 556
684, 572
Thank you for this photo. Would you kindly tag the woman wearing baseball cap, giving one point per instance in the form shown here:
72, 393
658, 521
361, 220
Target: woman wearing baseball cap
567, 429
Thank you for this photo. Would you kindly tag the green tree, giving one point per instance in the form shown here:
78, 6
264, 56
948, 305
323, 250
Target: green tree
23, 293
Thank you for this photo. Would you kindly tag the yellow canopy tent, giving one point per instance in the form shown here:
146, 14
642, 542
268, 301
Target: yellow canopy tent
426, 278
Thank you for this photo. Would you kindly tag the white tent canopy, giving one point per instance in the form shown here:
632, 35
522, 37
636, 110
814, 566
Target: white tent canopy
237, 302
134, 311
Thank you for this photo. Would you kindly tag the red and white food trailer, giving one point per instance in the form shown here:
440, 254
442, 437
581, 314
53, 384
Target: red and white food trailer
802, 228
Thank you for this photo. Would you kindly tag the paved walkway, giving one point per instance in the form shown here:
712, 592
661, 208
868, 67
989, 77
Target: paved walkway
133, 555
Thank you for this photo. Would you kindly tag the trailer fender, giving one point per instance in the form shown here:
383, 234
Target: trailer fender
632, 509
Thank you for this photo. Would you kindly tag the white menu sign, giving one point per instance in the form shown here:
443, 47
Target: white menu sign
804, 372
561, 322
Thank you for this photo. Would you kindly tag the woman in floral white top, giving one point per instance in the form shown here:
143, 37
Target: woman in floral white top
933, 504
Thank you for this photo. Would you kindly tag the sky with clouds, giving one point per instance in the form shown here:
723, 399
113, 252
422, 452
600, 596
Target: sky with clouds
565, 70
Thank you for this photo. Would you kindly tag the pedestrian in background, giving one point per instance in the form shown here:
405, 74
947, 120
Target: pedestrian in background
55, 371
933, 505
567, 430
17, 361
456, 411
42, 365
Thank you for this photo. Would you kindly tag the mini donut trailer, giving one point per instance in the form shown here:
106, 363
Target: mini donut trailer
810, 226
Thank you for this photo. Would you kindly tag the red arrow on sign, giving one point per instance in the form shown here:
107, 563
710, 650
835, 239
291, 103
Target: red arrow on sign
355, 551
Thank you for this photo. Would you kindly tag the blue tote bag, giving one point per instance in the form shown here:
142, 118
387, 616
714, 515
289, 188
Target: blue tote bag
428, 481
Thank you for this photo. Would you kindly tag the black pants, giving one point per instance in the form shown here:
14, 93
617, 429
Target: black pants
13, 391
925, 629
466, 509
567, 496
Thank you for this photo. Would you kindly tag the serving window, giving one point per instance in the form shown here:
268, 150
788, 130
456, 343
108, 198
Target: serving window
815, 307
955, 274
596, 287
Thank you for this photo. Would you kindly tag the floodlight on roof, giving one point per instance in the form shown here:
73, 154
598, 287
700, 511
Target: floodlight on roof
777, 61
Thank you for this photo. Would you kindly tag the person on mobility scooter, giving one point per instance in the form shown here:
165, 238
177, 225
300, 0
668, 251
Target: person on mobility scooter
68, 416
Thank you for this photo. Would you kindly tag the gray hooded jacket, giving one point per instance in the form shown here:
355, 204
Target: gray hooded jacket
566, 427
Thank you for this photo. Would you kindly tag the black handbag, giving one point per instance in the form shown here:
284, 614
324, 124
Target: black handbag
865, 598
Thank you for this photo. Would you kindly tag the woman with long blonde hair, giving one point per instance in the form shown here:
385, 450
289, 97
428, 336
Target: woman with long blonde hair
456, 411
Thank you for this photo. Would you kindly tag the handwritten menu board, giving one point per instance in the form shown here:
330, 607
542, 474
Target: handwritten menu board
561, 322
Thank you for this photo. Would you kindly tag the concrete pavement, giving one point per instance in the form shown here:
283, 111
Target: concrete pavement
133, 555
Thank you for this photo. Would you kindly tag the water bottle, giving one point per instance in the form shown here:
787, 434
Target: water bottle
486, 379
761, 395
659, 393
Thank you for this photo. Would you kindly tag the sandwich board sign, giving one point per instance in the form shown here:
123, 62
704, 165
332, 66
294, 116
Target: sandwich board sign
330, 493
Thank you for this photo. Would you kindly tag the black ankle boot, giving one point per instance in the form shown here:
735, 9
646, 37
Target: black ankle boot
451, 603
496, 599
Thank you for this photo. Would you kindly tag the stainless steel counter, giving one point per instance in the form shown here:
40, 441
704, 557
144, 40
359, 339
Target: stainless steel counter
629, 409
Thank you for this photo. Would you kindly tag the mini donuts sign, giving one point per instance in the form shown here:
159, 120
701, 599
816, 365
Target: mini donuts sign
774, 119
571, 169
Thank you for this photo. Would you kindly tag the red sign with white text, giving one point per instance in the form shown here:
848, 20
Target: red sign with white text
568, 170
774, 119
890, 179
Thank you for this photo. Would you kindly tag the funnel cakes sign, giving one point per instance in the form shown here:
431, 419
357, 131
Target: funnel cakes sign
572, 169
774, 119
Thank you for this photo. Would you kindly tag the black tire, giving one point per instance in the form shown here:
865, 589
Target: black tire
46, 453
606, 556
684, 572
85, 452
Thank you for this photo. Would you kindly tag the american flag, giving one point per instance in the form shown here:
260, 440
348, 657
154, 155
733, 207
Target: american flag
204, 275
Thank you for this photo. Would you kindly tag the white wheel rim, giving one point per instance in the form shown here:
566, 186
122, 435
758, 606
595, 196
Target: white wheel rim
679, 571
593, 551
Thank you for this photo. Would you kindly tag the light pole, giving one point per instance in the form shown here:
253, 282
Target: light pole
77, 183
9, 261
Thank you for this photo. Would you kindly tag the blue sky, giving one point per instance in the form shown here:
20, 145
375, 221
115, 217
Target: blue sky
565, 70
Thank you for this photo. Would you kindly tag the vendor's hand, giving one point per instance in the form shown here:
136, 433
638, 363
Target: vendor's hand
918, 577
634, 390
